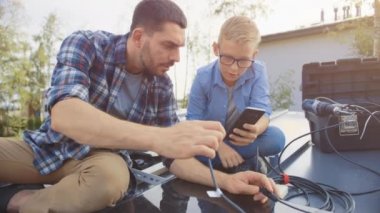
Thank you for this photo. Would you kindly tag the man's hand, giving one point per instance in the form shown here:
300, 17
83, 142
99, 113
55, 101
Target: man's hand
228, 156
248, 183
243, 137
189, 138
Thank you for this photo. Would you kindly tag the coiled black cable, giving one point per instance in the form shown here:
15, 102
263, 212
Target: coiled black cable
305, 188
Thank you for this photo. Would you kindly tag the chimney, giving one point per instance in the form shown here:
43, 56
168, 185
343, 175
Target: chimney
344, 12
322, 16
358, 9
336, 14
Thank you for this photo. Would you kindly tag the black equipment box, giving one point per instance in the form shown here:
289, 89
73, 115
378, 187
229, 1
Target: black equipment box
354, 81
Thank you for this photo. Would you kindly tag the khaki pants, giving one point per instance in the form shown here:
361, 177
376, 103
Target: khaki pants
87, 185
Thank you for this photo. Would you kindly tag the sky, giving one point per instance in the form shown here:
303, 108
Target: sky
115, 15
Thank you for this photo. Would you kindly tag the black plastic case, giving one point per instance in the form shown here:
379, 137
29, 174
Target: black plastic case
347, 81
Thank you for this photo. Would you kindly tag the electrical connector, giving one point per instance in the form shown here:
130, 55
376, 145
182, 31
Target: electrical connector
282, 190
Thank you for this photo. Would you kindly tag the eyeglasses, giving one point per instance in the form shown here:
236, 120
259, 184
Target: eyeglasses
229, 60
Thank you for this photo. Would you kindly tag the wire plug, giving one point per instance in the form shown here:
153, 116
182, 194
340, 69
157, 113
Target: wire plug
282, 190
269, 194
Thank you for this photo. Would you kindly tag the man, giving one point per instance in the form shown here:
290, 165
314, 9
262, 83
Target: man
108, 93
220, 92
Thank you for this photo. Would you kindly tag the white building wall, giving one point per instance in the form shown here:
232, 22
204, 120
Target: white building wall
291, 54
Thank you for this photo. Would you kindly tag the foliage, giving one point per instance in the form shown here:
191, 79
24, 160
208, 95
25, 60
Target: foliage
363, 35
13, 126
184, 102
363, 42
367, 32
25, 68
376, 35
46, 40
281, 91
229, 8
9, 48
197, 52
39, 71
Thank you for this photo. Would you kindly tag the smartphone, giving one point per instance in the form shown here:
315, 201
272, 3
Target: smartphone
250, 115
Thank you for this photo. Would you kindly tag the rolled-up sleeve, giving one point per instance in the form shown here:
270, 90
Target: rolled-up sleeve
71, 74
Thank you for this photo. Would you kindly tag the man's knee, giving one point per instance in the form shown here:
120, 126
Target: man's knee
101, 181
113, 178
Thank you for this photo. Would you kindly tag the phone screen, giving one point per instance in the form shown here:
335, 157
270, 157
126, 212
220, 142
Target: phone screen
250, 115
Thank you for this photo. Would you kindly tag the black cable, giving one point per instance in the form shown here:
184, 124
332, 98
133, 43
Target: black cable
262, 190
342, 156
308, 188
360, 109
334, 149
274, 198
314, 188
218, 190
365, 193
352, 162
344, 196
297, 138
328, 194
212, 174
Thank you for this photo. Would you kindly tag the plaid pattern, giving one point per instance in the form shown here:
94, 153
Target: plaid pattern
90, 66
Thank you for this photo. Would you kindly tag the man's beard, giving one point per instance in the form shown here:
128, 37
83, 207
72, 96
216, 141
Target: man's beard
147, 61
146, 56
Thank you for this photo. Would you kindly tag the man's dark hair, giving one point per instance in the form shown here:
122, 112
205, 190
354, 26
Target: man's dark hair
151, 14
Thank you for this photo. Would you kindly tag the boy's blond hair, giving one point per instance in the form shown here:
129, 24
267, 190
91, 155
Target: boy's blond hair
241, 29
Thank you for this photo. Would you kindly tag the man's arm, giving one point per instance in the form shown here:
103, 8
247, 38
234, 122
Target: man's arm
87, 125
247, 182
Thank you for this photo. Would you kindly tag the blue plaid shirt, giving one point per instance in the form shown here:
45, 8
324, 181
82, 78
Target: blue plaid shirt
90, 66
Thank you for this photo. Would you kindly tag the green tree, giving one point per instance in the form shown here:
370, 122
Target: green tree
362, 31
197, 52
367, 33
11, 46
228, 8
31, 76
363, 42
26, 67
46, 40
282, 90
41, 65
376, 35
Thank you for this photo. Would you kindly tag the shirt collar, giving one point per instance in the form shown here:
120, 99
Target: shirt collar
120, 50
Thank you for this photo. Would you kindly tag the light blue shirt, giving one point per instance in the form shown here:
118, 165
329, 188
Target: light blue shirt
208, 98
126, 96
